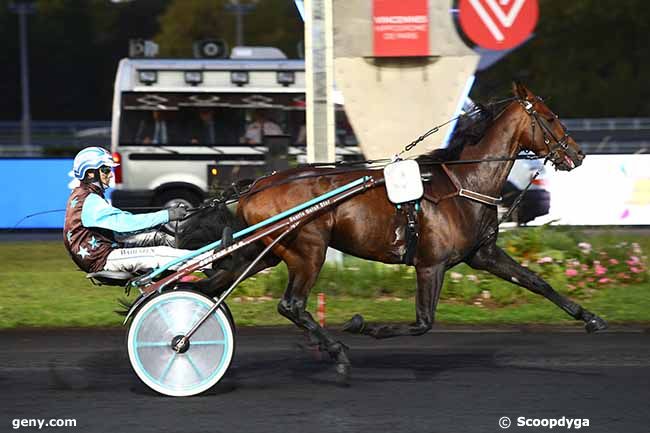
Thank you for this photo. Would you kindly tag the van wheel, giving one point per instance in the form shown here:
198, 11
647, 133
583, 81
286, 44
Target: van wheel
174, 197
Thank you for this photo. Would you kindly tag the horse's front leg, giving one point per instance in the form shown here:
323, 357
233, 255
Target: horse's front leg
429, 285
493, 259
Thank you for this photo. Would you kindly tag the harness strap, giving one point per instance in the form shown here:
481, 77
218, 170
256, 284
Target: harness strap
412, 233
481, 198
463, 192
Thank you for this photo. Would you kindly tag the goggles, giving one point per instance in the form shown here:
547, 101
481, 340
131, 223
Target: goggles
105, 170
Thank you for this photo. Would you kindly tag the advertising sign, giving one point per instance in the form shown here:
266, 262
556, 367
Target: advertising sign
604, 190
38, 187
401, 28
498, 24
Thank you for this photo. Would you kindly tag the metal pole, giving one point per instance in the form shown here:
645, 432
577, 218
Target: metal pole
239, 14
22, 10
319, 77
239, 9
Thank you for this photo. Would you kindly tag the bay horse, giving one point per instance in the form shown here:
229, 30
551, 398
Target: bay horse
452, 228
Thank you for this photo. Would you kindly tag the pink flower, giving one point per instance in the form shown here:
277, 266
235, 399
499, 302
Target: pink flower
600, 270
613, 262
546, 259
635, 270
584, 267
604, 280
585, 247
634, 260
571, 272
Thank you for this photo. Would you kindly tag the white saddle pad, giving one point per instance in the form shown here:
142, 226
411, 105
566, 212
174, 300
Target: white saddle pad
403, 182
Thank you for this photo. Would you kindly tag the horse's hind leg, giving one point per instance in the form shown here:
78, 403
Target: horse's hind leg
493, 259
429, 285
303, 272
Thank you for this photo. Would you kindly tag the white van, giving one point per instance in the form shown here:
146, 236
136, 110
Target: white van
184, 127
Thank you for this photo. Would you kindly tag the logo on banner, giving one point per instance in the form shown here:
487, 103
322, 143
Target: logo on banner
401, 28
498, 24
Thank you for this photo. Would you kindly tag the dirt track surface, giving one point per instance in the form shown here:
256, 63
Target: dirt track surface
441, 382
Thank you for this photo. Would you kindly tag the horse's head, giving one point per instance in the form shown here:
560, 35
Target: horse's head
547, 137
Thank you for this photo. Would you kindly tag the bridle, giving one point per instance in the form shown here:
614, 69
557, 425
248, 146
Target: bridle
552, 142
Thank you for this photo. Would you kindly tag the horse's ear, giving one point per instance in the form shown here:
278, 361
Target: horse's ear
519, 90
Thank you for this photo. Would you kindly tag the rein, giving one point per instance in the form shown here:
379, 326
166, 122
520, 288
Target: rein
349, 166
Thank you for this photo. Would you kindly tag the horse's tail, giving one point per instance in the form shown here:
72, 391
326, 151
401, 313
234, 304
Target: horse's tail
206, 226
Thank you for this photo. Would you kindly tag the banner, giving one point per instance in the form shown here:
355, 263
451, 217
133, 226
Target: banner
401, 28
498, 24
604, 190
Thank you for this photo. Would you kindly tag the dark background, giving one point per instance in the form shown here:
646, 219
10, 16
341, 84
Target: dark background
590, 57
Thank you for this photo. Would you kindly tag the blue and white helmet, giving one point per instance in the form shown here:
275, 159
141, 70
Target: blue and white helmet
91, 158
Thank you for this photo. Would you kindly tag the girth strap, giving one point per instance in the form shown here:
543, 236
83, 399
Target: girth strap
412, 231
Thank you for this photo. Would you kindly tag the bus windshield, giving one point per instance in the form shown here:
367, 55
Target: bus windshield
225, 122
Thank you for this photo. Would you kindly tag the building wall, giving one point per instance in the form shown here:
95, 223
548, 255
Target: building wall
391, 101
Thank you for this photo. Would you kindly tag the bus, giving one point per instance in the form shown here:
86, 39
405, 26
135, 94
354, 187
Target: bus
184, 129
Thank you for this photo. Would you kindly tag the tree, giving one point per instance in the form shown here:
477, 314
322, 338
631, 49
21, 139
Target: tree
591, 58
271, 22
74, 48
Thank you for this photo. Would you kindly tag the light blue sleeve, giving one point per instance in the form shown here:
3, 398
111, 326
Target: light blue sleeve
96, 212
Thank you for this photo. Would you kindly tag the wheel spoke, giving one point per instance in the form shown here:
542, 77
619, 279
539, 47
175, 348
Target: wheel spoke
165, 316
196, 369
152, 344
168, 367
207, 342
193, 319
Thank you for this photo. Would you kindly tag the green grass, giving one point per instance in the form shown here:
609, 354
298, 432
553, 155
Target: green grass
41, 287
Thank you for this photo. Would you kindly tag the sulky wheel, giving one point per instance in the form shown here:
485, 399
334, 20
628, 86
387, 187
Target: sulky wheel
197, 366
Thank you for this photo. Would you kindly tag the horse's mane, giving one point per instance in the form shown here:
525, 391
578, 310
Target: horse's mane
469, 131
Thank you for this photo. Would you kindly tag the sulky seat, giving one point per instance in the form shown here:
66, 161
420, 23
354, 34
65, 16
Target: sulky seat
110, 278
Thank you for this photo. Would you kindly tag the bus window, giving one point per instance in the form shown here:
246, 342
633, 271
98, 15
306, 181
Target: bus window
263, 123
209, 126
183, 127
344, 134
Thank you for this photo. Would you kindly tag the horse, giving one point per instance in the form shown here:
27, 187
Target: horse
453, 228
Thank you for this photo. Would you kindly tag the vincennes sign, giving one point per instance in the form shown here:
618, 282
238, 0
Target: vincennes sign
401, 28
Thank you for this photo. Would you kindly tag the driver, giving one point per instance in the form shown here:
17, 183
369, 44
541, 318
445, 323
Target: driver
100, 237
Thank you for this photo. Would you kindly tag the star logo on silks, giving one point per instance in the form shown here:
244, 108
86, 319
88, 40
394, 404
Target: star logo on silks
74, 202
94, 243
69, 235
83, 252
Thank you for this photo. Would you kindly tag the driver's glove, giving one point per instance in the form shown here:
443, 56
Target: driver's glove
177, 213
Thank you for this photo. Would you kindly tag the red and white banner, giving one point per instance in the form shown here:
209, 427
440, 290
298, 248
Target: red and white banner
401, 28
498, 24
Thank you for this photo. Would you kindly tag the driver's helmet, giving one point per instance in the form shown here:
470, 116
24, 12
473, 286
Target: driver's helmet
91, 158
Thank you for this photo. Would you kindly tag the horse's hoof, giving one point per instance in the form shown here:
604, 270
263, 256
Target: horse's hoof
342, 373
355, 325
595, 324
